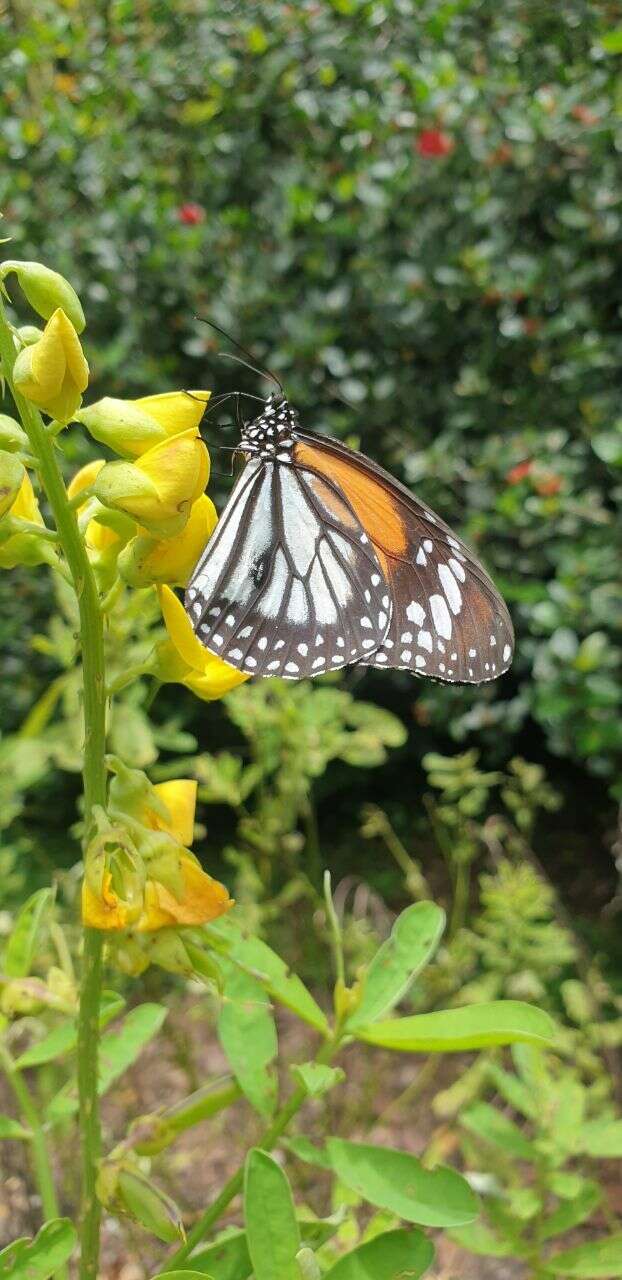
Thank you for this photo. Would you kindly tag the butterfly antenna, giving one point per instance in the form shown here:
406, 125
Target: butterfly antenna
260, 369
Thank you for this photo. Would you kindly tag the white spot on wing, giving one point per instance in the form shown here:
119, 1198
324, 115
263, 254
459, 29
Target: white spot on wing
441, 616
415, 613
450, 587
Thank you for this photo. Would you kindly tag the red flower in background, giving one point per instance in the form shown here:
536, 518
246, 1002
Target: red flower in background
584, 114
519, 472
191, 213
433, 142
548, 485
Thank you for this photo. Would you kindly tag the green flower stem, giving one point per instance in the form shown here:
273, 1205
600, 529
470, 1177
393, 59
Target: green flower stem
38, 1145
232, 1188
94, 774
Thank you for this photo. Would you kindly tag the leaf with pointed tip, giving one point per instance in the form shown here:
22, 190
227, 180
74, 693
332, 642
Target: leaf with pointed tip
476, 1026
414, 938
272, 1232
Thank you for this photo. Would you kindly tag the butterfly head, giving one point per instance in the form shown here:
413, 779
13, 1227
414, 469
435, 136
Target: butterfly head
271, 435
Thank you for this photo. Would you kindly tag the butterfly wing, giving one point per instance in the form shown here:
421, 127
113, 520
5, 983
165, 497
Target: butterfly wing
448, 619
289, 584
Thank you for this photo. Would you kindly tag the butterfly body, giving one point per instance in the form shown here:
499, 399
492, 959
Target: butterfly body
321, 560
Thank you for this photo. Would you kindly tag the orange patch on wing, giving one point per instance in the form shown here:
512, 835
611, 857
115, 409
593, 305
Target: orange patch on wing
375, 508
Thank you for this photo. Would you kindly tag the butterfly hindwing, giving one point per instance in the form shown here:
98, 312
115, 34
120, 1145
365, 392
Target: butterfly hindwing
448, 620
289, 584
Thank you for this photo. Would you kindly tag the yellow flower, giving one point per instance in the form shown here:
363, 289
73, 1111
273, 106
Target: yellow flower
53, 372
146, 560
202, 899
186, 661
132, 426
158, 490
24, 548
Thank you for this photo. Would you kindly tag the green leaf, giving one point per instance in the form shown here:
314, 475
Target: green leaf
20, 949
63, 1039
317, 1078
272, 1232
570, 1213
414, 938
593, 1261
39, 1258
397, 1181
612, 41
394, 1255
477, 1026
258, 959
304, 1149
478, 1238
492, 1126
184, 1275
119, 1049
601, 1139
12, 1129
226, 1259
247, 1033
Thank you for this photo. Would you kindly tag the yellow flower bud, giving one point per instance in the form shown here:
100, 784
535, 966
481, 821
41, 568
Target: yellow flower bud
179, 797
12, 437
158, 490
24, 548
187, 661
46, 290
146, 560
130, 427
53, 372
11, 479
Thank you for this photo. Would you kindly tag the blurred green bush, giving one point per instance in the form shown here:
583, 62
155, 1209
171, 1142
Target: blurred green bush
410, 206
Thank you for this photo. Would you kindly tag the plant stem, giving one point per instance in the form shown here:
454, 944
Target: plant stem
231, 1189
40, 1154
94, 775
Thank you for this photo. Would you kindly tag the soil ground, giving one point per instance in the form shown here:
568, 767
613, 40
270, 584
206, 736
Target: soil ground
195, 1167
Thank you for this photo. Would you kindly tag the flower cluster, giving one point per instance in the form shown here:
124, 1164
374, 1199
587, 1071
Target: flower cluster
145, 519
140, 875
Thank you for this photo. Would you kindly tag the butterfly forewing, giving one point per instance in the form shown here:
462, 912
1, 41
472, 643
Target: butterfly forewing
290, 583
448, 620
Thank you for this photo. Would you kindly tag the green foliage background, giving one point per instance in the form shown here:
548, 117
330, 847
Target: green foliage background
464, 306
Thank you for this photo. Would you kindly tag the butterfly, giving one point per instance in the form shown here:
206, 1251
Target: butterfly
321, 560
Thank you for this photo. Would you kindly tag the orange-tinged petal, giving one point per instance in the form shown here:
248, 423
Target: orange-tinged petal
203, 899
105, 911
